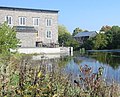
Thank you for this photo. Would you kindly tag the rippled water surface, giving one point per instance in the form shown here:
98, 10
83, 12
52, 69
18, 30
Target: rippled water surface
109, 60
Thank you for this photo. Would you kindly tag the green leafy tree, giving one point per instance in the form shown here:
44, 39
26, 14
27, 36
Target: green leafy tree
63, 34
99, 42
62, 30
113, 37
73, 43
76, 31
65, 38
8, 39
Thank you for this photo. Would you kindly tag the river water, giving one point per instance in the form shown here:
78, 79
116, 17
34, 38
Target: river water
110, 61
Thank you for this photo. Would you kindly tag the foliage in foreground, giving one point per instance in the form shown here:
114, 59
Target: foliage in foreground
28, 78
8, 39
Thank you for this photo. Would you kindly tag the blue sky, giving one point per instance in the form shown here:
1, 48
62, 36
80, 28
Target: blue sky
87, 14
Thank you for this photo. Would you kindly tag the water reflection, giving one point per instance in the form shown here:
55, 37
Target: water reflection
112, 59
110, 62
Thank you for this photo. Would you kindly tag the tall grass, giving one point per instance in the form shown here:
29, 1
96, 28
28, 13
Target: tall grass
24, 77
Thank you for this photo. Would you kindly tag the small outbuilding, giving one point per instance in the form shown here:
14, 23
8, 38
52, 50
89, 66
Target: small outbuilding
81, 37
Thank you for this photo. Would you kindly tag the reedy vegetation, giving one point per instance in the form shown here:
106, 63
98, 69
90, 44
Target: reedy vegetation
22, 77
27, 78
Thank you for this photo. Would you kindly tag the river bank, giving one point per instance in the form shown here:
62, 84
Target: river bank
117, 50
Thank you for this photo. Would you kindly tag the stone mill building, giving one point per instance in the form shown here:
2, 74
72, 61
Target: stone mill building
34, 27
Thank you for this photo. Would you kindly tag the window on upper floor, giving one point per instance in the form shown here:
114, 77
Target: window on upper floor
48, 22
8, 19
22, 21
35, 21
49, 34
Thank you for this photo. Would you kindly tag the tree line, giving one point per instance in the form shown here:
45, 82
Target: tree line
107, 38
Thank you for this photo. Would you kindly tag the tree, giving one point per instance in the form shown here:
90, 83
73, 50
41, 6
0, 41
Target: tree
63, 34
62, 29
8, 39
108, 40
99, 41
65, 38
76, 31
113, 37
105, 28
72, 43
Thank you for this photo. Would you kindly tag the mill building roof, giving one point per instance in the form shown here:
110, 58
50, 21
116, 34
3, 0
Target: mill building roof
28, 9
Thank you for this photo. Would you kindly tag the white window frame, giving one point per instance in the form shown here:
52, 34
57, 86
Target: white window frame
48, 34
9, 20
36, 19
48, 22
22, 21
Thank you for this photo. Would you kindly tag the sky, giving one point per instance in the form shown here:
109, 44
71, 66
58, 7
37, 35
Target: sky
86, 14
